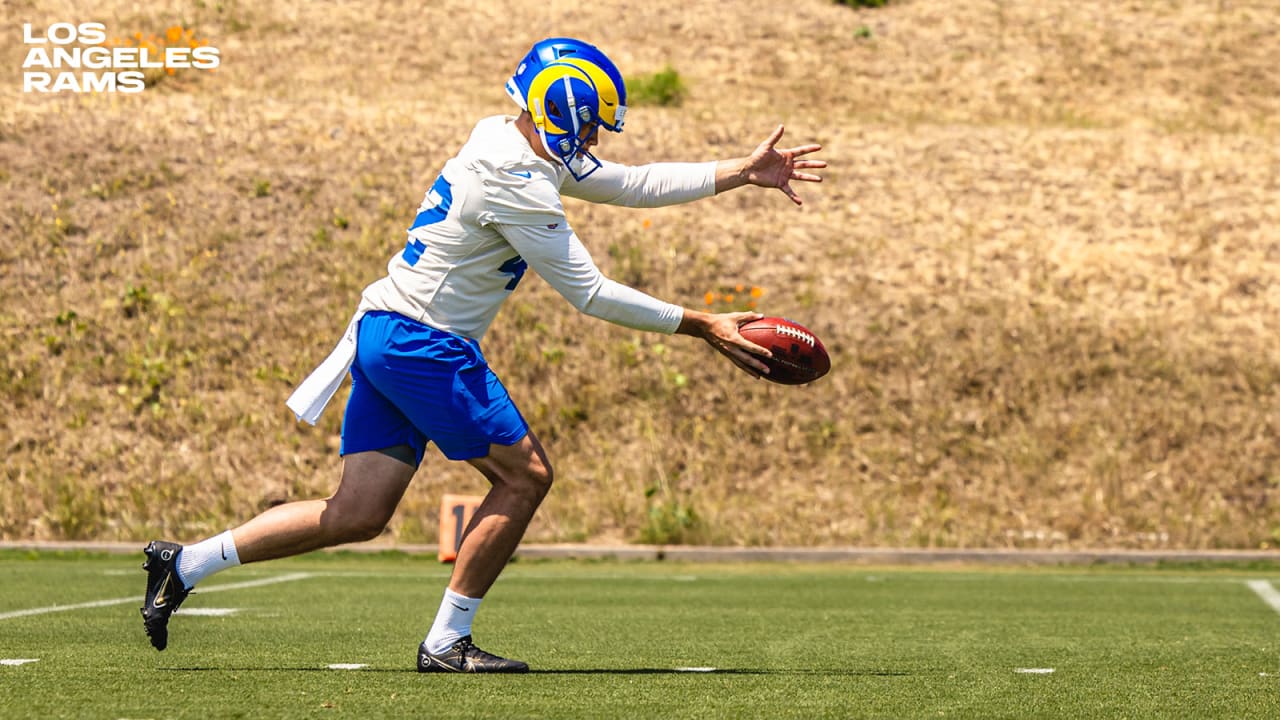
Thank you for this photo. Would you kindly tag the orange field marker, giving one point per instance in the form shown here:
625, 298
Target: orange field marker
455, 515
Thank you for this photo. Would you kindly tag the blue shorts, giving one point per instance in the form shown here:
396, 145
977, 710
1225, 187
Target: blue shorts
412, 384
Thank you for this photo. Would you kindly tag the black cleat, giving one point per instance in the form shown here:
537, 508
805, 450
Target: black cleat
464, 657
165, 592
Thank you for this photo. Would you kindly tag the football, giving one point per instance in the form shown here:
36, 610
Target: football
798, 354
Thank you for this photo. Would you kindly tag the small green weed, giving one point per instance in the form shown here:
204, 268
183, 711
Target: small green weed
135, 301
670, 521
663, 88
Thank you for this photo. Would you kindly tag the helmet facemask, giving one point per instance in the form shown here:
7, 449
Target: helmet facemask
564, 106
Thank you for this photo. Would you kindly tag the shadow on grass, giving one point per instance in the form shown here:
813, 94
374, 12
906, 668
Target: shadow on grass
718, 671
569, 671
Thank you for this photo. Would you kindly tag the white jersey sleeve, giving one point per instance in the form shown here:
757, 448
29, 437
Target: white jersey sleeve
644, 186
560, 258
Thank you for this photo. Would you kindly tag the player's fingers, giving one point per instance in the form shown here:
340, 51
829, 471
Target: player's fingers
774, 137
757, 374
746, 361
786, 188
808, 164
741, 350
747, 369
802, 149
807, 177
753, 348
736, 338
737, 345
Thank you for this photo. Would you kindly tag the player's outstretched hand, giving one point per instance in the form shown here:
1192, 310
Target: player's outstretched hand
769, 166
720, 330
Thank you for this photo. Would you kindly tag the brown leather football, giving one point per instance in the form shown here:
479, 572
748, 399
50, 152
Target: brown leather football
798, 354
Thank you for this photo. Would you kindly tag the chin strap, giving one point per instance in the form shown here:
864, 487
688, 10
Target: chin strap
535, 110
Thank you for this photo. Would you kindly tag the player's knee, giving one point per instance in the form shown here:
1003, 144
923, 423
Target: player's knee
536, 479
545, 476
365, 528
353, 523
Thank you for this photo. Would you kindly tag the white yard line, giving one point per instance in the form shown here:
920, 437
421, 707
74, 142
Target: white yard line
1265, 591
208, 612
124, 601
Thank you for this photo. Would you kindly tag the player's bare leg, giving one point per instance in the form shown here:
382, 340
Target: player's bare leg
521, 476
372, 484
371, 487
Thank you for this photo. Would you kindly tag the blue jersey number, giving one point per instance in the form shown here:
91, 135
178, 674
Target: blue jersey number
514, 267
441, 194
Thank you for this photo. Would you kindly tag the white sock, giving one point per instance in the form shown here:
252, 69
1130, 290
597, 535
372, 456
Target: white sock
199, 561
453, 621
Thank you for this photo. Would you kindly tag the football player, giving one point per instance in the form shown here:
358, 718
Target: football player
413, 352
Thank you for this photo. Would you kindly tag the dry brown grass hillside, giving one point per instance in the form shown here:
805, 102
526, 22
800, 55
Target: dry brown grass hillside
1045, 259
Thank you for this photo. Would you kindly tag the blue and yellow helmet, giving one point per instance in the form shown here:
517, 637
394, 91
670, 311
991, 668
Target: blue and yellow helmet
570, 89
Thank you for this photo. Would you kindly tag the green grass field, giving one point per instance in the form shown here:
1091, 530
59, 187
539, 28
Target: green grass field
647, 640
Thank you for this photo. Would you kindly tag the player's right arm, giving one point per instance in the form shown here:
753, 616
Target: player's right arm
770, 167
668, 183
645, 186
559, 257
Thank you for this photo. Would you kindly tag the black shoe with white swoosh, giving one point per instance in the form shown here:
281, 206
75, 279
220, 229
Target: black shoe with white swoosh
465, 657
165, 592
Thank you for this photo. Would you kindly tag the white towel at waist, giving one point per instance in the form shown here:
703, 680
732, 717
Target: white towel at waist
309, 399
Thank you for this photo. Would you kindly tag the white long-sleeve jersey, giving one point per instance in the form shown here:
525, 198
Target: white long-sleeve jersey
492, 213
495, 211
